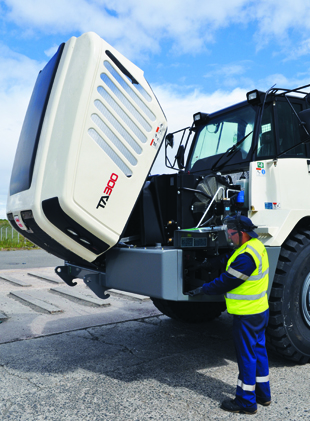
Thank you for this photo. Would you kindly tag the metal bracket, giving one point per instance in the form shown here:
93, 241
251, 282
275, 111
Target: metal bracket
93, 279
96, 282
65, 274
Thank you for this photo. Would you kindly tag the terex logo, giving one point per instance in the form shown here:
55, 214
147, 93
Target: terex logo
108, 190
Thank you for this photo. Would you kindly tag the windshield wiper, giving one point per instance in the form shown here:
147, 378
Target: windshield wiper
229, 153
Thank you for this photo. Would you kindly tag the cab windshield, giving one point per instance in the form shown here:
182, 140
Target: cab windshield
222, 132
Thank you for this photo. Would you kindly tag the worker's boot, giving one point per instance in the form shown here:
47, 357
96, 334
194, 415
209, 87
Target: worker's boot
230, 405
262, 401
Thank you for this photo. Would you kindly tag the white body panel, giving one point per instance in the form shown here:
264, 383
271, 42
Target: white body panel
98, 126
279, 197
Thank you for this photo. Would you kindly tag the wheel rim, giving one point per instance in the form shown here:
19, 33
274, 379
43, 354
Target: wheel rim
305, 300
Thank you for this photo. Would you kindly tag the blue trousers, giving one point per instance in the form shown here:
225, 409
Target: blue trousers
250, 345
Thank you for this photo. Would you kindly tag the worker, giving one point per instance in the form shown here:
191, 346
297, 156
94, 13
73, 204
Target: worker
245, 285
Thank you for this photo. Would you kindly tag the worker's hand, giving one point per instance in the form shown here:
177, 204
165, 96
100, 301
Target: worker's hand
205, 264
194, 292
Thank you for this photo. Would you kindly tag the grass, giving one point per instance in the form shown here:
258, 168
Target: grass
18, 242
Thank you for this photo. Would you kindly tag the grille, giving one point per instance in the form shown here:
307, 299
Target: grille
110, 152
142, 106
120, 129
123, 118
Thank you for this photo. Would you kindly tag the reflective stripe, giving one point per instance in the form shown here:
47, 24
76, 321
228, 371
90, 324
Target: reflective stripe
260, 276
237, 274
260, 267
245, 297
245, 277
255, 252
247, 387
262, 379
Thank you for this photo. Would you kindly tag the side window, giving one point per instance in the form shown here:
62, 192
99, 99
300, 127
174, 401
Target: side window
266, 141
289, 131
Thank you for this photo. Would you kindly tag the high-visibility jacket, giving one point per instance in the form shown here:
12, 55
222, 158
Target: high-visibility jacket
251, 296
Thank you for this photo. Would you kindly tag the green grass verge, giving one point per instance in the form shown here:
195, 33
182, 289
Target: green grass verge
4, 223
18, 242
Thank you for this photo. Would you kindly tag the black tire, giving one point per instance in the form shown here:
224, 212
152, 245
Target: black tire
189, 312
288, 333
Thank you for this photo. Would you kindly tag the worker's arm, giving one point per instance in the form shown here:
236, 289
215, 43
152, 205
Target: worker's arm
241, 268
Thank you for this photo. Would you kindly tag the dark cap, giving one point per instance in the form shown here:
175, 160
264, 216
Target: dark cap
241, 223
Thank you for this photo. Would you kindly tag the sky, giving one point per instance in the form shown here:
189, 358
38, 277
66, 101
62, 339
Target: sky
197, 55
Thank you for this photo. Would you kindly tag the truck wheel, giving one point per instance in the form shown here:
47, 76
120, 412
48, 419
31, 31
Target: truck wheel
288, 332
189, 312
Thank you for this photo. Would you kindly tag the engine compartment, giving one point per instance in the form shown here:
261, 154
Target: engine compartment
186, 211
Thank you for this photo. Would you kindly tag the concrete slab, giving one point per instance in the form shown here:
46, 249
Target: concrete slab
45, 277
128, 295
28, 299
71, 292
27, 321
2, 316
15, 281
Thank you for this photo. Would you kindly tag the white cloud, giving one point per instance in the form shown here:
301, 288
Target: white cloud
136, 27
140, 27
16, 69
51, 51
179, 107
302, 49
231, 75
281, 81
226, 70
17, 77
284, 24
276, 17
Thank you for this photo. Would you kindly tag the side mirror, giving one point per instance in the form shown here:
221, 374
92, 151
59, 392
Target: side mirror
305, 118
170, 140
180, 157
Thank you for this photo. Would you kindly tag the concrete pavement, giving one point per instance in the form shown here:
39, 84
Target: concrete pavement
147, 369
36, 302
120, 362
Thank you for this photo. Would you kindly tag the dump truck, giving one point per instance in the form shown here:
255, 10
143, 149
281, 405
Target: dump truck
82, 189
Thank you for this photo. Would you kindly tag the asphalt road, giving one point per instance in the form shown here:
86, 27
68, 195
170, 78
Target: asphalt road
21, 259
128, 362
147, 369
